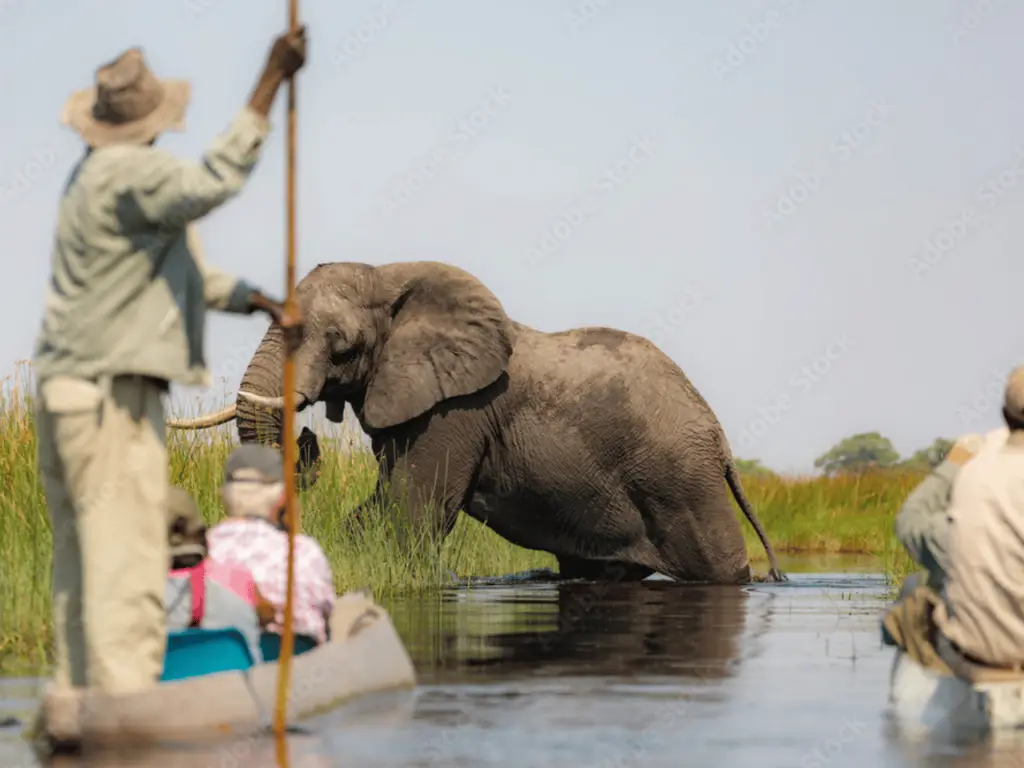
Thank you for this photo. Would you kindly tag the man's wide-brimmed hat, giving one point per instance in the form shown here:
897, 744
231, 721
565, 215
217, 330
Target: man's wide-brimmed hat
128, 104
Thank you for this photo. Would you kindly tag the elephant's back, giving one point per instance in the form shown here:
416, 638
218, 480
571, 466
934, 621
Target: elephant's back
594, 355
604, 369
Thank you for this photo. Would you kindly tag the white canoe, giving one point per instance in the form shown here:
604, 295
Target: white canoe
365, 656
924, 700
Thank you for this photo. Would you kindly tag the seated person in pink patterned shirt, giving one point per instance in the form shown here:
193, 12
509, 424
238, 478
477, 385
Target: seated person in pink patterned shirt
254, 536
202, 592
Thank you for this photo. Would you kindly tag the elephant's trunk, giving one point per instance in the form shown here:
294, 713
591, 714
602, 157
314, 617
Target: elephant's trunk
256, 422
259, 406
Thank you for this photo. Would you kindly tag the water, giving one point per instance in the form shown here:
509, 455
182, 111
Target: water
522, 672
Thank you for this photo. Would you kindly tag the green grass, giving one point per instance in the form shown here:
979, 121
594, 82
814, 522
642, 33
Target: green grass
842, 515
819, 515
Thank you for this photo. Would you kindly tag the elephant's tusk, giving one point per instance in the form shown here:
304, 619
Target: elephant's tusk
204, 422
274, 403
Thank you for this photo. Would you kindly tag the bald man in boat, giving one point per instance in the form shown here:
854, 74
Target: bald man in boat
975, 619
124, 317
980, 621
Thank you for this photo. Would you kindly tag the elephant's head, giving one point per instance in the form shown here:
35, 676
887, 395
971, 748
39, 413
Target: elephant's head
392, 341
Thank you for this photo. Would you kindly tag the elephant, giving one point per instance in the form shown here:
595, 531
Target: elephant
590, 443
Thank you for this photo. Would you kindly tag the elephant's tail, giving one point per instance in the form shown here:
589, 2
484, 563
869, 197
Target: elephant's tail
732, 476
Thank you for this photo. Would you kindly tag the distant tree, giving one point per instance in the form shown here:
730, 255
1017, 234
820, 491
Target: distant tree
753, 467
930, 457
859, 453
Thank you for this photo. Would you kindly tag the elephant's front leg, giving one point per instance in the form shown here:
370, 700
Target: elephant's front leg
422, 487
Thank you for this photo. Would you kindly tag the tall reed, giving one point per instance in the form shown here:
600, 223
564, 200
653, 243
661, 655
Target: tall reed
802, 514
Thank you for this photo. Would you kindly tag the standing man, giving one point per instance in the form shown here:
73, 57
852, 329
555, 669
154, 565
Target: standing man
124, 316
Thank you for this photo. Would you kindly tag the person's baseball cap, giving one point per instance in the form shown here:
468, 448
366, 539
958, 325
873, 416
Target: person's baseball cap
185, 524
254, 462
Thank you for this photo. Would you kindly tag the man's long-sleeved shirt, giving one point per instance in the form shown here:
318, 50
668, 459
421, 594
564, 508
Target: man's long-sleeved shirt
983, 612
922, 524
129, 287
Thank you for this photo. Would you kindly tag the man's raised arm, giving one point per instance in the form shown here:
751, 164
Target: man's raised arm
173, 192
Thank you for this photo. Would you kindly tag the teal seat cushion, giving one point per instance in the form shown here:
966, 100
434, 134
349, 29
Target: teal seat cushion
195, 652
270, 645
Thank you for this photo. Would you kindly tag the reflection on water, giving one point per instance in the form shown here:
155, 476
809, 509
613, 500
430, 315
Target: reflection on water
568, 630
827, 562
535, 673
652, 674
302, 753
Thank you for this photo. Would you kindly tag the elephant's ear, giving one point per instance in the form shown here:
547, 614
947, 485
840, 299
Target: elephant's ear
449, 336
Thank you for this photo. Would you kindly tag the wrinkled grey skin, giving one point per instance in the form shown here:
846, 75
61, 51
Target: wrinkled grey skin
590, 443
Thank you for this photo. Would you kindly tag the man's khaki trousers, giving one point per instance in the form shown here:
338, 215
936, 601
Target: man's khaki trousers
104, 467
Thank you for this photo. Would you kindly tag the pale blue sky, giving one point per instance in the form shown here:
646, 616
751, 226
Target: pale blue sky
683, 248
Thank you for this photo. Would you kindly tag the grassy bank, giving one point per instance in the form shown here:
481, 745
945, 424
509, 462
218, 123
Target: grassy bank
821, 515
811, 515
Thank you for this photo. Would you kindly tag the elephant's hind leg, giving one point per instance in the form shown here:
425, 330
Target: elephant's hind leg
601, 570
699, 541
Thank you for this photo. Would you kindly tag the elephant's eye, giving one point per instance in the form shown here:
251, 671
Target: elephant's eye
343, 356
